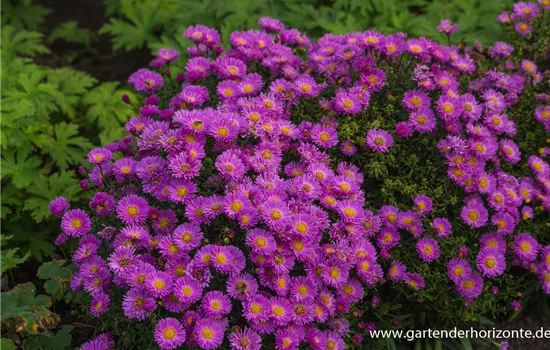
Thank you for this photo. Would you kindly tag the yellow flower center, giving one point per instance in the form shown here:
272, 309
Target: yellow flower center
76, 223
473, 215
169, 333
255, 308
278, 311
158, 284
132, 210
208, 333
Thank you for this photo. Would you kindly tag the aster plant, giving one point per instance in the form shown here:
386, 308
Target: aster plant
265, 190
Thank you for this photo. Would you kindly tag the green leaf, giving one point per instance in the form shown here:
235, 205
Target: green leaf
72, 84
69, 32
57, 276
20, 166
31, 86
466, 343
64, 146
106, 105
8, 259
142, 20
46, 188
7, 344
29, 312
21, 42
60, 341
8, 196
23, 14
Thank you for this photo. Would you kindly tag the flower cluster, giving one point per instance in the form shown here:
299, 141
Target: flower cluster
235, 221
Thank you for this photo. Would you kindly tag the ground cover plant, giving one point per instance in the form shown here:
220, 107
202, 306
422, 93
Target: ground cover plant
283, 192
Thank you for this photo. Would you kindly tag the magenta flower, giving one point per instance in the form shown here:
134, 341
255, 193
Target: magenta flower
447, 27
169, 333
428, 249
379, 140
76, 223
59, 206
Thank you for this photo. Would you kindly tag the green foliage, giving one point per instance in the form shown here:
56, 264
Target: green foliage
106, 107
9, 258
46, 188
160, 23
26, 311
51, 118
71, 33
57, 277
63, 145
141, 20
23, 14
59, 341
22, 42
7, 344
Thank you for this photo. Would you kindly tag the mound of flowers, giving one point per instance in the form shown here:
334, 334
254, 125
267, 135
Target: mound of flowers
251, 201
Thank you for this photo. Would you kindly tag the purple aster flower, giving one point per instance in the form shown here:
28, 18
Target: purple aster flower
132, 209
99, 304
447, 27
76, 223
423, 120
505, 223
474, 215
285, 339
414, 280
428, 249
402, 129
146, 81
187, 290
516, 306
346, 103
491, 262
379, 140
538, 166
448, 108
526, 247
99, 156
245, 339
523, 28
526, 10
397, 271
470, 286
423, 204
159, 284
103, 203
103, 341
122, 260
458, 268
241, 286
59, 206
271, 25
208, 333
442, 227
215, 305
416, 100
169, 333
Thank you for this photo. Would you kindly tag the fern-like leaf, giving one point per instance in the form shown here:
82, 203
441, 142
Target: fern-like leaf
64, 146
46, 188
19, 165
106, 105
21, 42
